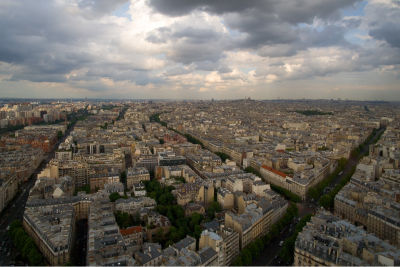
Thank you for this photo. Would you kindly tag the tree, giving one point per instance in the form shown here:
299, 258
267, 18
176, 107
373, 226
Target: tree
325, 201
246, 257
25, 244
60, 135
212, 209
122, 178
35, 258
286, 193
238, 261
114, 196
253, 171
85, 188
255, 252
197, 231
27, 247
223, 156
159, 235
259, 244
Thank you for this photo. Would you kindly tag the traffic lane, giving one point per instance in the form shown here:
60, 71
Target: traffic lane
18, 206
272, 250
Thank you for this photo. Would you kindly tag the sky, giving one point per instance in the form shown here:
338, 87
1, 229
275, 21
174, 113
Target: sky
200, 49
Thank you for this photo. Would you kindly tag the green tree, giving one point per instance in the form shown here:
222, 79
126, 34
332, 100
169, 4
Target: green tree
159, 236
85, 188
286, 193
35, 258
122, 178
246, 257
60, 135
212, 209
223, 156
250, 169
238, 261
27, 247
114, 196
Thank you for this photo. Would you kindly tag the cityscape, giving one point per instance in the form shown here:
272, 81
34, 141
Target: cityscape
200, 133
242, 182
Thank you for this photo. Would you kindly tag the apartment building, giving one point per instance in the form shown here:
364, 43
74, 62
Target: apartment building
328, 240
225, 241
135, 176
8, 189
52, 229
362, 205
256, 219
105, 244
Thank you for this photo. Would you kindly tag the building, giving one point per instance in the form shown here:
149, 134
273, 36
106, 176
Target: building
225, 198
99, 179
52, 229
133, 205
78, 170
191, 208
8, 189
256, 219
224, 241
133, 237
139, 190
150, 255
136, 175
364, 203
328, 240
169, 158
300, 181
105, 244
117, 187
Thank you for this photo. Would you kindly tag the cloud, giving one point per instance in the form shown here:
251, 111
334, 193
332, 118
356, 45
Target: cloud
99, 7
261, 22
383, 21
181, 48
50, 40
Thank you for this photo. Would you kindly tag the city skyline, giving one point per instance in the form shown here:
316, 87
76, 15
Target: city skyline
173, 49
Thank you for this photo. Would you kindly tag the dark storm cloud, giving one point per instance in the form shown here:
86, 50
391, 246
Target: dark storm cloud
182, 7
290, 11
384, 22
263, 22
390, 32
43, 39
77, 42
47, 42
187, 53
189, 44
